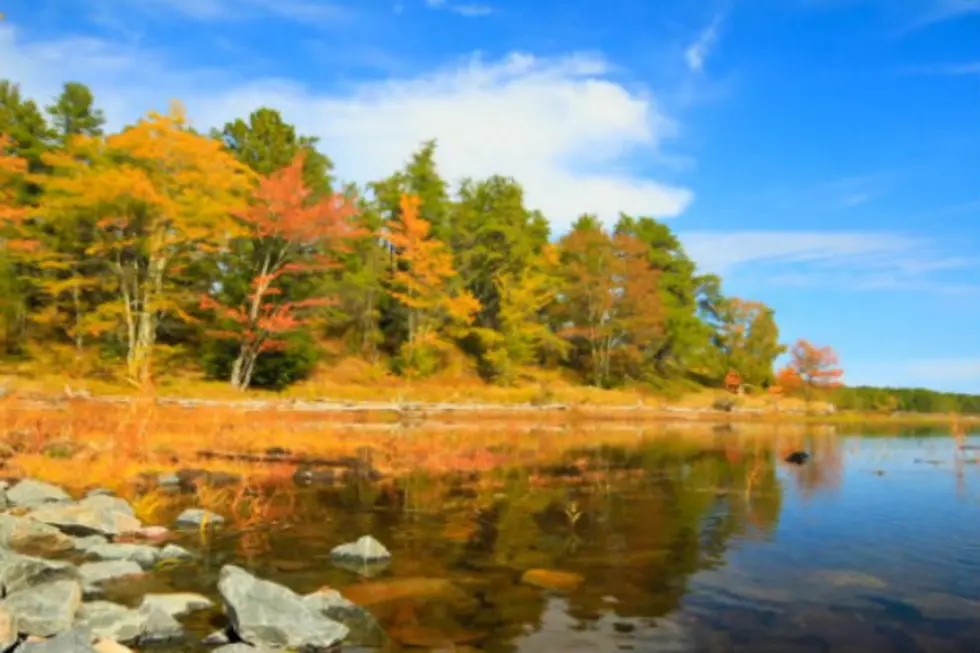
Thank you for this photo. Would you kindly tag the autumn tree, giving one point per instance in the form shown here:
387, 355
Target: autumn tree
423, 283
610, 308
290, 234
747, 340
816, 367
523, 336
163, 196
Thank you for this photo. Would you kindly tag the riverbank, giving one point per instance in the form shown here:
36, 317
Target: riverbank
387, 400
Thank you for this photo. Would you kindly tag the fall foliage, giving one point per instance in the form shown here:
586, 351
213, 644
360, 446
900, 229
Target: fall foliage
812, 368
237, 253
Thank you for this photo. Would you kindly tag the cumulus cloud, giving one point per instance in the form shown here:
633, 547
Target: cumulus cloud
562, 126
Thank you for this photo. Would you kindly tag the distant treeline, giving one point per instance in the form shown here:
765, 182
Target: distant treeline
913, 400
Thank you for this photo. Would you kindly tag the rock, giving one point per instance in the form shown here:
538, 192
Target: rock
364, 628
30, 493
217, 638
25, 535
362, 568
109, 646
175, 552
798, 458
98, 515
168, 479
178, 604
76, 640
365, 549
143, 554
93, 573
111, 620
87, 542
19, 572
550, 579
241, 647
159, 626
47, 609
153, 533
196, 517
99, 492
8, 629
406, 589
264, 613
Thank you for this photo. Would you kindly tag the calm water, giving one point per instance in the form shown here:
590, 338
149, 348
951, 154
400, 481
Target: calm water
683, 544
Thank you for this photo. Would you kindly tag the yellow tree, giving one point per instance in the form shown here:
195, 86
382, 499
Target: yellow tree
421, 282
164, 197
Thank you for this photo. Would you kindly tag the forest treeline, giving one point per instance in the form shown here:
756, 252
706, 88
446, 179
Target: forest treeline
239, 251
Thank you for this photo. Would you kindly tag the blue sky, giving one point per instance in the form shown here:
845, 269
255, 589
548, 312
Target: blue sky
822, 155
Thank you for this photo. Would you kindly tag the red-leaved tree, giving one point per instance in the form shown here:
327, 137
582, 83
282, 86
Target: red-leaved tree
290, 234
817, 367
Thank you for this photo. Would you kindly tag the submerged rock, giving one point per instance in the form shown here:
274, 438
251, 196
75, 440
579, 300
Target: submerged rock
798, 458
46, 609
365, 549
364, 628
30, 493
264, 613
551, 579
25, 535
196, 517
95, 515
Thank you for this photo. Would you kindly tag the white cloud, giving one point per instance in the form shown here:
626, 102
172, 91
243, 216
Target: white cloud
561, 126
698, 51
872, 261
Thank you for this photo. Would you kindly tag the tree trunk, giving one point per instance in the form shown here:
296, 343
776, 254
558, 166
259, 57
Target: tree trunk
243, 367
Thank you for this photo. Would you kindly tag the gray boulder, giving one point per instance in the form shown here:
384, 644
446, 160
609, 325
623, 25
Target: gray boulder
111, 621
239, 647
47, 609
158, 625
19, 572
8, 629
31, 493
263, 613
87, 542
177, 604
365, 549
93, 573
175, 552
144, 555
197, 517
25, 535
94, 515
76, 640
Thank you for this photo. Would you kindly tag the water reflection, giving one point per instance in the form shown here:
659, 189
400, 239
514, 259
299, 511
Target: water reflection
683, 541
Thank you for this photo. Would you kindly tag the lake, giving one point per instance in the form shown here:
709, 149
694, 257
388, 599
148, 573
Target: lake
702, 542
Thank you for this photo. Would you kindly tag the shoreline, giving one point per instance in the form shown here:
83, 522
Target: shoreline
401, 411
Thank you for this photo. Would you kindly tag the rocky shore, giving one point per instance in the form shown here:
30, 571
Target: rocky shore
57, 553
